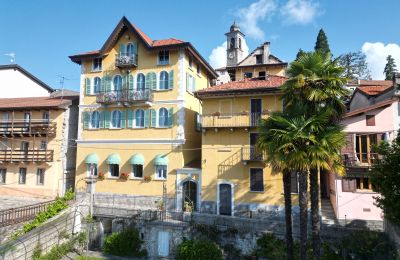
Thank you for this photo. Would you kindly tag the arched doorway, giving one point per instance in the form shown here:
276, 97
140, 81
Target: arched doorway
189, 195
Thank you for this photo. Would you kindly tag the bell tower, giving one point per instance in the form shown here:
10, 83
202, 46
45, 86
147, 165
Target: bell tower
234, 49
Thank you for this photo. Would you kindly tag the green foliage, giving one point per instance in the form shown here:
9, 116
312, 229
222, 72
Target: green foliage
37, 251
207, 231
124, 243
355, 65
385, 177
58, 251
271, 247
390, 68
198, 249
322, 45
82, 257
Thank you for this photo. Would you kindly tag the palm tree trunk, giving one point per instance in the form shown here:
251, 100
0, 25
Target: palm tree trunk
303, 203
288, 213
315, 220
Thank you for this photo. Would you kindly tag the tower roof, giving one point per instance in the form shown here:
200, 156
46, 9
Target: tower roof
234, 27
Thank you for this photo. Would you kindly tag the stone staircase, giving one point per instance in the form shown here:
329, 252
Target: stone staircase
327, 214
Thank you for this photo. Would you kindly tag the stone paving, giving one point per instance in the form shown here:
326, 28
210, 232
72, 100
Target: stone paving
8, 202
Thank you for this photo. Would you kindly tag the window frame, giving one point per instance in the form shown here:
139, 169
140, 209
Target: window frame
111, 170
250, 179
99, 64
19, 175
127, 53
38, 177
89, 172
43, 145
113, 83
97, 126
163, 168
165, 118
163, 57
112, 126
96, 87
142, 118
164, 80
370, 120
259, 59
3, 174
140, 75
135, 166
191, 85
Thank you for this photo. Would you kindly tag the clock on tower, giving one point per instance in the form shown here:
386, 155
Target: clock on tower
234, 50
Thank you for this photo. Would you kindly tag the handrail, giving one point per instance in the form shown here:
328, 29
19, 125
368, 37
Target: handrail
243, 119
251, 153
24, 155
359, 159
126, 59
123, 95
32, 127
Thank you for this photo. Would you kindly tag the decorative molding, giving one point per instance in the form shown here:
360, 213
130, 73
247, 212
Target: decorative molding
130, 141
81, 92
181, 75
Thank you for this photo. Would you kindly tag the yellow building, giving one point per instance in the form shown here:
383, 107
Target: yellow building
138, 131
235, 180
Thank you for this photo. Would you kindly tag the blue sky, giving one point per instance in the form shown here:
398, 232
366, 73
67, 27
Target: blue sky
44, 33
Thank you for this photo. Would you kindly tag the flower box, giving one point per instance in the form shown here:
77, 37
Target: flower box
216, 114
147, 178
101, 176
124, 176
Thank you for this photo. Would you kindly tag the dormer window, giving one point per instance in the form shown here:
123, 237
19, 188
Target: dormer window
259, 59
97, 64
163, 57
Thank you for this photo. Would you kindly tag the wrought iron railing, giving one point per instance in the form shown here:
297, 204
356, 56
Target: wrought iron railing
359, 159
244, 119
251, 153
124, 95
126, 59
30, 128
26, 155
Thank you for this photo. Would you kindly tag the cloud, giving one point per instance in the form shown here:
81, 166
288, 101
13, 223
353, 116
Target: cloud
300, 11
251, 15
217, 57
376, 54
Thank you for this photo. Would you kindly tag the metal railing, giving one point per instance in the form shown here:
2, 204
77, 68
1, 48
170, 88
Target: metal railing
244, 119
359, 159
26, 155
251, 153
126, 59
124, 95
17, 215
32, 127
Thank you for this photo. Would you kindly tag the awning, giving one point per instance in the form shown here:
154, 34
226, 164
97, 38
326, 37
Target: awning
114, 159
137, 159
92, 159
161, 159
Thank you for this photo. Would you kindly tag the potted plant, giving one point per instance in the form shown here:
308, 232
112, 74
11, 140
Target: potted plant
244, 113
216, 113
147, 178
101, 176
124, 176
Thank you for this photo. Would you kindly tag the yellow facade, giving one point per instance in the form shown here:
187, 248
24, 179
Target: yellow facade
279, 70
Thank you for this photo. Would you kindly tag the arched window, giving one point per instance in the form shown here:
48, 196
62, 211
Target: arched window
164, 80
117, 83
240, 43
130, 49
232, 45
140, 82
95, 120
116, 119
139, 118
97, 85
163, 117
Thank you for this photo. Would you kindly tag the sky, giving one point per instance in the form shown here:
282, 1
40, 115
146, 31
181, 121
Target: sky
44, 33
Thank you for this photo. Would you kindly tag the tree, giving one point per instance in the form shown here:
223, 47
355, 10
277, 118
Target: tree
390, 68
385, 177
355, 65
300, 53
322, 45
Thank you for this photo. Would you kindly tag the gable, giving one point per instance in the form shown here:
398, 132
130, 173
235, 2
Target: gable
359, 100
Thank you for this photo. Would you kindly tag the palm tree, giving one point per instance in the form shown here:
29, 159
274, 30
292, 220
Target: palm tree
315, 82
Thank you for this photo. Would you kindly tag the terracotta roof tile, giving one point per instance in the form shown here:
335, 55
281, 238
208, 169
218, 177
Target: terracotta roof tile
372, 90
88, 53
142, 34
387, 83
32, 102
170, 41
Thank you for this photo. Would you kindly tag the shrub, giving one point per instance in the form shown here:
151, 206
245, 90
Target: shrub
37, 251
124, 243
198, 249
271, 247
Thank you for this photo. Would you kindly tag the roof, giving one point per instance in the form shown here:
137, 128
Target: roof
364, 82
65, 93
170, 41
33, 102
273, 83
372, 90
371, 107
28, 74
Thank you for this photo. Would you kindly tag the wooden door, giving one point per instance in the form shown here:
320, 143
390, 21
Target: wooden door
225, 199
255, 111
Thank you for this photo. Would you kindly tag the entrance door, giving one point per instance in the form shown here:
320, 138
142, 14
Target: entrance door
225, 199
254, 155
189, 193
163, 243
255, 111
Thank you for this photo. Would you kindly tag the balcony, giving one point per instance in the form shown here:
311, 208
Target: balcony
237, 120
359, 159
126, 60
251, 154
27, 128
122, 96
30, 155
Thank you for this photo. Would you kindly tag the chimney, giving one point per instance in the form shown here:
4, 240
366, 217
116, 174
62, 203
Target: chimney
266, 52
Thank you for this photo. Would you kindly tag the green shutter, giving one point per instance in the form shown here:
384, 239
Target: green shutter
170, 117
107, 116
87, 87
153, 117
86, 119
103, 84
130, 82
122, 49
146, 118
148, 81
135, 47
171, 80
123, 118
130, 118
153, 81
101, 123
107, 83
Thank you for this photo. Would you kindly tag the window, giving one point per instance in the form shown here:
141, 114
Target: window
22, 176
97, 85
40, 176
97, 64
294, 182
43, 145
117, 83
197, 122
370, 120
240, 43
92, 169
190, 60
161, 172
363, 183
348, 185
163, 117
259, 59
232, 75
256, 179
3, 173
261, 75
137, 170
232, 45
116, 119
163, 57
248, 75
130, 49
164, 80
46, 116
114, 170
364, 148
139, 118
95, 120
191, 84
198, 68
4, 144
140, 83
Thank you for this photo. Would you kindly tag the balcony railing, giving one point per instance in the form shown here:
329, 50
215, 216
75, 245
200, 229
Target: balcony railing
251, 153
217, 120
359, 159
27, 128
126, 60
22, 155
125, 95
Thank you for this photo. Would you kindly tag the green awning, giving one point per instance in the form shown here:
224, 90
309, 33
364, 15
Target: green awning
114, 159
161, 159
137, 159
92, 159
